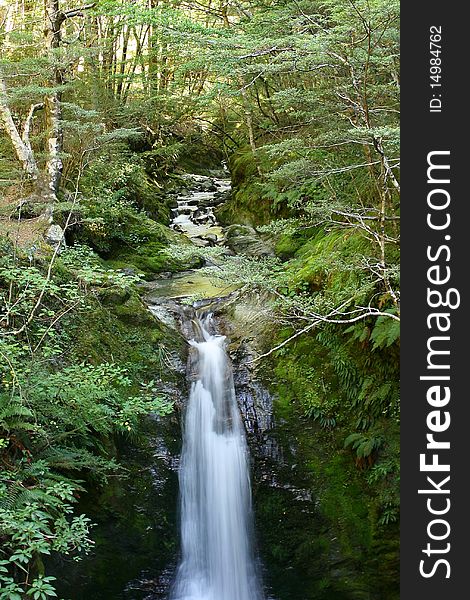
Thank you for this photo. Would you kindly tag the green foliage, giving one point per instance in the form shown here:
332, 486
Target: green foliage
118, 198
385, 333
187, 253
364, 445
88, 269
36, 519
58, 413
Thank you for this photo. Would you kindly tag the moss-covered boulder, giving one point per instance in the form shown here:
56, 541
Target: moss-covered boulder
243, 239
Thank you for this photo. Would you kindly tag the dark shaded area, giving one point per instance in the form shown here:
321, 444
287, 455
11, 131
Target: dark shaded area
136, 529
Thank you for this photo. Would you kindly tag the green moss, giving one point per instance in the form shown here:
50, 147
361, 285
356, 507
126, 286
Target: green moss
125, 333
246, 206
288, 245
114, 296
345, 501
344, 535
148, 257
291, 544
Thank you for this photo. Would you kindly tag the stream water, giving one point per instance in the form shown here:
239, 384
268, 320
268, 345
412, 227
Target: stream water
193, 213
218, 561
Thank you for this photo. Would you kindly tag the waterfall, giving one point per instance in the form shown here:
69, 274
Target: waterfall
218, 561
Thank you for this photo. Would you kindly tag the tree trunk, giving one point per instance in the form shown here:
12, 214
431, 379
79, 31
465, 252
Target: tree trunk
21, 145
54, 165
122, 66
54, 20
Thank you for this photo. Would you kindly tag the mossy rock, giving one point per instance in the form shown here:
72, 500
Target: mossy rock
114, 296
127, 334
149, 259
249, 203
243, 239
289, 244
246, 206
133, 312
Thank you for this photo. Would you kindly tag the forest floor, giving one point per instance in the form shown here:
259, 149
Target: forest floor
24, 232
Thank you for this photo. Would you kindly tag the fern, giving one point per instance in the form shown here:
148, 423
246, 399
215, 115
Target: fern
14, 416
364, 444
385, 332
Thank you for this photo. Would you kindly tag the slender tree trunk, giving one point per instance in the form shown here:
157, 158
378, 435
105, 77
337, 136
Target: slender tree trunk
47, 185
20, 144
153, 55
54, 166
122, 67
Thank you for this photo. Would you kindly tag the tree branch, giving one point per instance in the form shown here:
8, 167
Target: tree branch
326, 319
28, 123
77, 12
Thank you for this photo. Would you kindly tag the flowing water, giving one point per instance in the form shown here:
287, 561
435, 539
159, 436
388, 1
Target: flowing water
218, 561
193, 213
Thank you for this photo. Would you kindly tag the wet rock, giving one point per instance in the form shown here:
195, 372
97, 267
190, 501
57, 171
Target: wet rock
207, 186
243, 239
211, 238
201, 242
215, 200
164, 315
128, 271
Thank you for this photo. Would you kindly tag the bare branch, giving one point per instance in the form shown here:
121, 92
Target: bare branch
28, 123
77, 12
368, 312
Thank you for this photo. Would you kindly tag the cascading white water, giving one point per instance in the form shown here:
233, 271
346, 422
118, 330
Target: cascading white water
216, 520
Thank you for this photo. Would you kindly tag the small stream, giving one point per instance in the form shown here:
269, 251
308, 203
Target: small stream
193, 212
218, 560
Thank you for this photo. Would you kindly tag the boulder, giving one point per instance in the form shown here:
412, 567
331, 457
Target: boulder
55, 237
198, 241
211, 238
243, 239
